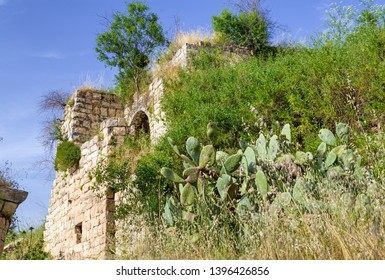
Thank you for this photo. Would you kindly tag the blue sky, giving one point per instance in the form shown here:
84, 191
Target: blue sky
49, 45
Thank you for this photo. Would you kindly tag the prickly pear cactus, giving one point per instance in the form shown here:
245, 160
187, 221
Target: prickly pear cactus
267, 173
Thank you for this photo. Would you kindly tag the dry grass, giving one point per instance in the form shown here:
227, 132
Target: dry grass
192, 37
87, 83
317, 237
166, 68
341, 234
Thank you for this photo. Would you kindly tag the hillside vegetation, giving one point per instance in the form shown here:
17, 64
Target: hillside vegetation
317, 195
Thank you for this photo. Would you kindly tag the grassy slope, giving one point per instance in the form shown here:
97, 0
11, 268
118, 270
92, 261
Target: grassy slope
310, 88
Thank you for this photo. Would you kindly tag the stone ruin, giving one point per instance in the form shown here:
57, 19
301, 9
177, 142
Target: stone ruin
80, 223
9, 201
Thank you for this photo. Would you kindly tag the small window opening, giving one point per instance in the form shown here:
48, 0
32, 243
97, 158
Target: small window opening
78, 232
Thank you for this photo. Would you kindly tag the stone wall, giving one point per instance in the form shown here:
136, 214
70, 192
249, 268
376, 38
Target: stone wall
80, 222
85, 110
9, 201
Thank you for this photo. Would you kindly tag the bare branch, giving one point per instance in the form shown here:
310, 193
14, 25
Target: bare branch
50, 133
45, 166
54, 101
247, 5
6, 179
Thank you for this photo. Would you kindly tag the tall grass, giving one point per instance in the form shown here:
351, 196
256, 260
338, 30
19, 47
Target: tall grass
25, 245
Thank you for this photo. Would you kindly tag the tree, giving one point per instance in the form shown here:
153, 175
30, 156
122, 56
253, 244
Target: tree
249, 28
130, 42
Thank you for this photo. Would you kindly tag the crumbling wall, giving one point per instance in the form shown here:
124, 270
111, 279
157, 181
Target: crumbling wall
9, 201
85, 110
80, 222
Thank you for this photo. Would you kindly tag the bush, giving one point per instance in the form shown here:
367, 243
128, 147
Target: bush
249, 29
67, 156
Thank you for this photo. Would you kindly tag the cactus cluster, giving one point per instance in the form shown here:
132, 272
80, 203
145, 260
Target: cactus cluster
268, 173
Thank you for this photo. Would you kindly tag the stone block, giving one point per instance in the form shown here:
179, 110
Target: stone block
9, 208
87, 124
111, 112
97, 97
103, 112
97, 110
105, 104
13, 195
120, 131
94, 148
79, 100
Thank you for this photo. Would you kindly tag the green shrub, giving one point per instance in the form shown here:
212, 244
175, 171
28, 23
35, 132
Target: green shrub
67, 156
310, 88
152, 185
249, 29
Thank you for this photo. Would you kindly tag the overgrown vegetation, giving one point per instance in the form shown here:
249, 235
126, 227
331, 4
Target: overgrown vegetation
318, 201
270, 201
250, 28
67, 156
25, 245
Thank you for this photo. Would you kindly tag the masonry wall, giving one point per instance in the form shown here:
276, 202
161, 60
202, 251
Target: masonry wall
80, 218
86, 110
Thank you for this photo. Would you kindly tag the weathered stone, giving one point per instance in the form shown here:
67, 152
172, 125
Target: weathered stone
13, 195
9, 208
9, 201
119, 131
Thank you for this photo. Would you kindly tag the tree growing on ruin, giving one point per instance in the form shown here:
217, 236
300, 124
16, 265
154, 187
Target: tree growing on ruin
130, 42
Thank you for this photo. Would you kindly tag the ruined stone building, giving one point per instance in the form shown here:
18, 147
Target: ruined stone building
80, 223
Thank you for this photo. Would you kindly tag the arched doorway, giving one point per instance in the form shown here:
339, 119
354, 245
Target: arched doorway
140, 123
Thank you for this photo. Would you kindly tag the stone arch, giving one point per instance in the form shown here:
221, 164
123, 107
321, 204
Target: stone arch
140, 122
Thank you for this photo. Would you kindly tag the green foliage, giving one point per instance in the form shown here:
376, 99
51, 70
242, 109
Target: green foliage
258, 177
250, 29
310, 88
67, 156
114, 175
130, 42
152, 185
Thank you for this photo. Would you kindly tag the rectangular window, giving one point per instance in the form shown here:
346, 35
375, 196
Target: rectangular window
78, 232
